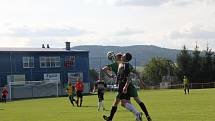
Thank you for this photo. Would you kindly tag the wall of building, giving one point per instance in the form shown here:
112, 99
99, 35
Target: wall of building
11, 63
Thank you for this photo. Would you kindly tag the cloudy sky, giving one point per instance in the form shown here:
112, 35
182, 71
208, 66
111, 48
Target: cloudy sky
164, 23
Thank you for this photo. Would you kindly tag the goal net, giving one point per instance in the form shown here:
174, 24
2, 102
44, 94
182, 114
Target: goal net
33, 89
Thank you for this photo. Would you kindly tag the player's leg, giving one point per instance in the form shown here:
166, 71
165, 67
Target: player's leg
113, 110
133, 93
4, 98
102, 100
185, 89
99, 102
71, 101
73, 98
78, 98
81, 97
77, 101
188, 90
143, 107
126, 103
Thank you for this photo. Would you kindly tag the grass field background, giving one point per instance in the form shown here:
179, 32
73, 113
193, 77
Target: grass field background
163, 105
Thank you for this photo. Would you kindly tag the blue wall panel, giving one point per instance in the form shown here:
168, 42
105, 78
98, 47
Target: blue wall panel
11, 63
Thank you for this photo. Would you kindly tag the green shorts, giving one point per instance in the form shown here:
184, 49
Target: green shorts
123, 96
132, 91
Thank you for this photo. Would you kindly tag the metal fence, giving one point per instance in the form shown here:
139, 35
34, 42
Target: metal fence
191, 86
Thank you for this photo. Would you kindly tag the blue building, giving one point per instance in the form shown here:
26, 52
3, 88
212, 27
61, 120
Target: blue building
22, 65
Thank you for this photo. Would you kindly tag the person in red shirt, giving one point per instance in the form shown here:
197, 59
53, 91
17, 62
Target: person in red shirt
4, 94
79, 87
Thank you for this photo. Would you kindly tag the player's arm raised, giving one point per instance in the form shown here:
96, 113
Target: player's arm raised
138, 76
105, 70
126, 85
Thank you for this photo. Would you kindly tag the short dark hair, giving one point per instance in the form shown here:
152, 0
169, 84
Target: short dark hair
127, 56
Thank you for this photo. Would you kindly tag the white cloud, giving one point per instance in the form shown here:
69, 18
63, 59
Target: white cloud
191, 34
14, 42
47, 32
141, 2
107, 22
129, 31
194, 32
155, 3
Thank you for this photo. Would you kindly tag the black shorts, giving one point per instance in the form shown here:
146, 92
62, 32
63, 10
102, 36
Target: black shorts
3, 96
101, 94
186, 86
79, 94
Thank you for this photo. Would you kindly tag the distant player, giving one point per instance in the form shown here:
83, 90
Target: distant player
186, 85
71, 92
79, 87
4, 94
100, 86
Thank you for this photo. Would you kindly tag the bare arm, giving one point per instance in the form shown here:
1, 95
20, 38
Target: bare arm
126, 86
138, 76
105, 70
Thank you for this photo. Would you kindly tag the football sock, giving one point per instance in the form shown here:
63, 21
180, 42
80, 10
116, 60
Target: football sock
143, 107
77, 102
70, 98
102, 103
99, 104
81, 102
113, 111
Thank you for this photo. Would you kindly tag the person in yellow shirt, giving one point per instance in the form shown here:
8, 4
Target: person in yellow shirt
71, 92
186, 85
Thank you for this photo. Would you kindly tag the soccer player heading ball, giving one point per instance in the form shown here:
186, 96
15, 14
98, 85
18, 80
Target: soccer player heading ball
122, 69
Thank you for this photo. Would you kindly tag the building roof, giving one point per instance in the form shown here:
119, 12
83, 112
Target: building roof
40, 50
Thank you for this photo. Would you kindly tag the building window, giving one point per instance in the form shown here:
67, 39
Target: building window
50, 62
69, 61
28, 62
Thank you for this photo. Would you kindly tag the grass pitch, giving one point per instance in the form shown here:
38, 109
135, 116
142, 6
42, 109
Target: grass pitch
163, 105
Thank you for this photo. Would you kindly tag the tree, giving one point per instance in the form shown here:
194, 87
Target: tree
213, 69
184, 63
207, 65
196, 75
157, 68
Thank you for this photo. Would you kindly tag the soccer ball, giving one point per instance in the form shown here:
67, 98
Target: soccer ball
111, 56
